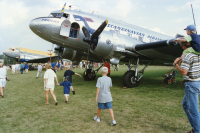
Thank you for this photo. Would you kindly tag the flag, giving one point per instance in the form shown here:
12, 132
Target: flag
63, 9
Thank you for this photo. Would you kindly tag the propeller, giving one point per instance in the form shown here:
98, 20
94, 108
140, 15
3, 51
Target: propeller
92, 41
60, 51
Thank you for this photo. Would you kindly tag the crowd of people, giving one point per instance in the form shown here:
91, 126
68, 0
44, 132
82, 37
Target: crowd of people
188, 65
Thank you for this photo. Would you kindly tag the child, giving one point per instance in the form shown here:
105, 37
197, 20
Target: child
66, 88
103, 95
69, 73
193, 38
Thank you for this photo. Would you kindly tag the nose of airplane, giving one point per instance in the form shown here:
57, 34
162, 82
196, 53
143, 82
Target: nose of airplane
33, 25
5, 52
10, 53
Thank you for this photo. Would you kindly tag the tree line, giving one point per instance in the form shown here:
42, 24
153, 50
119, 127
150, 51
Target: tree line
8, 60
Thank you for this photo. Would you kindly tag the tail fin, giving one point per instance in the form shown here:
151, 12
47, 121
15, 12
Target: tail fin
63, 9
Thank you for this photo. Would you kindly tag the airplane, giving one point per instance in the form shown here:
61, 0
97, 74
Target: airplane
79, 35
30, 55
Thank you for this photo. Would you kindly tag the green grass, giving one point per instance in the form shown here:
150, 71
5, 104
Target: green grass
151, 107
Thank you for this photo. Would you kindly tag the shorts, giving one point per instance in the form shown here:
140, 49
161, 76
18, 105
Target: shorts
66, 95
105, 105
47, 89
26, 70
2, 82
13, 70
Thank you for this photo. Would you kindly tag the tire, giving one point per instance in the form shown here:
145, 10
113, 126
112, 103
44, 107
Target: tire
128, 79
88, 76
124, 78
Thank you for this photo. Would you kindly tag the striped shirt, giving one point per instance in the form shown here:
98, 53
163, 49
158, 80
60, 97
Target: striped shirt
191, 63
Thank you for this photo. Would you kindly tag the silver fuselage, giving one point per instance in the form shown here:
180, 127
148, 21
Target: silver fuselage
112, 42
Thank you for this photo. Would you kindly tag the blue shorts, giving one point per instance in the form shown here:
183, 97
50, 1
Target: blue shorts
105, 105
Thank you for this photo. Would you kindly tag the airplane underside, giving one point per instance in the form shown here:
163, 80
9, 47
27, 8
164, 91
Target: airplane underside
77, 41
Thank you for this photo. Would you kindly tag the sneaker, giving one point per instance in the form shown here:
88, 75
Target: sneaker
96, 119
113, 123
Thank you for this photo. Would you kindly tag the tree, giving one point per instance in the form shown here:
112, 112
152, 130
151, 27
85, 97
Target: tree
8, 60
2, 56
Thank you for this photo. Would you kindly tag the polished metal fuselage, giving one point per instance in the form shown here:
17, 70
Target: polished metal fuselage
112, 42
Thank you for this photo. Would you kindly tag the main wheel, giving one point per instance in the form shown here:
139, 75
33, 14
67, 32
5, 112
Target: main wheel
124, 78
88, 75
129, 79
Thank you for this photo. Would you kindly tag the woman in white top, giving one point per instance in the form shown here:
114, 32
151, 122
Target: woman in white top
49, 85
3, 74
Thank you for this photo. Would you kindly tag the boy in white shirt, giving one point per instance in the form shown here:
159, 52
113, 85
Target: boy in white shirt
39, 70
49, 85
13, 69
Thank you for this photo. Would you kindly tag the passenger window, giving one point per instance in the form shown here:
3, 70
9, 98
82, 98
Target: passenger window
74, 31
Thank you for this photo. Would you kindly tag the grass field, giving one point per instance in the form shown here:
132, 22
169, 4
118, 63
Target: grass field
152, 107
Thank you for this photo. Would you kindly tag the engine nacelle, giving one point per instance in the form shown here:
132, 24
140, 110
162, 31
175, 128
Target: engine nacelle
77, 56
109, 42
103, 47
73, 55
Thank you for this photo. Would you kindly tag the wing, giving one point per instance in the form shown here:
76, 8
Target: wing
40, 60
160, 52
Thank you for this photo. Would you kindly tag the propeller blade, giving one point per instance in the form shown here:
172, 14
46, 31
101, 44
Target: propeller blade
99, 30
85, 32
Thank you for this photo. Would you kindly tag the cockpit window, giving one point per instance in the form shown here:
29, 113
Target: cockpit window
58, 15
55, 15
12, 49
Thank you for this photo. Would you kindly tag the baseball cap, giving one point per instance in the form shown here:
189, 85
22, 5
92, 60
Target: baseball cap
191, 28
66, 78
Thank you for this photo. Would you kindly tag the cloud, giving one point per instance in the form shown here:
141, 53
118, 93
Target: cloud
13, 15
180, 20
157, 30
117, 10
175, 8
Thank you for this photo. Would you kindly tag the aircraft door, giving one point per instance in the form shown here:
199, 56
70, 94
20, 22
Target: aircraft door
65, 28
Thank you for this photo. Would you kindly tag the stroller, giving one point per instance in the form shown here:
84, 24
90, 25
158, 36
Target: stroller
170, 77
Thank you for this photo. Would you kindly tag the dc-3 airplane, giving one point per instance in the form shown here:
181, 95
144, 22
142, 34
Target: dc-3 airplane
29, 55
80, 35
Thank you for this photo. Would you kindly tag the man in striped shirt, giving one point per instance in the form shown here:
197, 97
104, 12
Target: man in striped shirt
190, 69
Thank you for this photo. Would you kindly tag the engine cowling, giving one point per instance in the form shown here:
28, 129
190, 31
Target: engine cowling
110, 42
104, 45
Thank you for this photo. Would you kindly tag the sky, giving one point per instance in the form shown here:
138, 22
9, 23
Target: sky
165, 16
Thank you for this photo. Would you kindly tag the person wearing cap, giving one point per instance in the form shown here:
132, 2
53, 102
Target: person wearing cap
3, 73
66, 88
193, 38
190, 70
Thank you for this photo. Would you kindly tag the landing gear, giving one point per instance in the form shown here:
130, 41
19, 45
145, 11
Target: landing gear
90, 74
132, 78
116, 68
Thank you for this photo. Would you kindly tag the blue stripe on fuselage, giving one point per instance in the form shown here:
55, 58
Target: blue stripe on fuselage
90, 30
